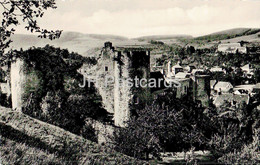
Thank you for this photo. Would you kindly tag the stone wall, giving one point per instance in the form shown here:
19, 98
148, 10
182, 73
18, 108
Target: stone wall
122, 93
24, 81
98, 73
105, 71
18, 80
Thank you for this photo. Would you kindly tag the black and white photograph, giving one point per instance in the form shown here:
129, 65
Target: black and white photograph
116, 82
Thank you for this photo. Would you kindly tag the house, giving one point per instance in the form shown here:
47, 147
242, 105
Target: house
195, 84
173, 70
197, 71
182, 75
189, 68
231, 48
177, 68
217, 69
248, 71
243, 89
233, 100
225, 87
169, 73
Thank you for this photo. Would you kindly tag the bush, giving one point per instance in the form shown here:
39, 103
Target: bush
168, 124
249, 154
52, 91
237, 136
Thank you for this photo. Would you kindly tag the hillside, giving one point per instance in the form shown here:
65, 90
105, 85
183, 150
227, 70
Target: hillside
231, 35
25, 140
249, 38
228, 34
89, 44
206, 41
162, 37
72, 41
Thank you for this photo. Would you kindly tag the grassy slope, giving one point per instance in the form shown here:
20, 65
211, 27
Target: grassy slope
13, 152
22, 135
249, 38
232, 33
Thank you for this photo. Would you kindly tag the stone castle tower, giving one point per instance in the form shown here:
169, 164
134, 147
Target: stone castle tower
130, 63
201, 89
115, 67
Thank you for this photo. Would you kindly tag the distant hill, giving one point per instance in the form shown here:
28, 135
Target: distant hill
73, 41
89, 44
228, 34
249, 38
161, 37
231, 35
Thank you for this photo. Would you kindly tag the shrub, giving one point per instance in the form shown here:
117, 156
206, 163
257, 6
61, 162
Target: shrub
249, 153
237, 136
52, 91
168, 124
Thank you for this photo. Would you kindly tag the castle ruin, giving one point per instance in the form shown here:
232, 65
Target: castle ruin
115, 66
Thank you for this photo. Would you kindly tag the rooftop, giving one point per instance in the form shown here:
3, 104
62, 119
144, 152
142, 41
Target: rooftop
181, 75
249, 86
230, 45
224, 86
221, 99
257, 86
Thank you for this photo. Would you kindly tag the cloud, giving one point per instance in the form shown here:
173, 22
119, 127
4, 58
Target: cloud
150, 17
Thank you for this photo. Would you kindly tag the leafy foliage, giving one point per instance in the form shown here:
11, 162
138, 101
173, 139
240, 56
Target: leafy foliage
236, 133
27, 11
168, 124
249, 153
52, 91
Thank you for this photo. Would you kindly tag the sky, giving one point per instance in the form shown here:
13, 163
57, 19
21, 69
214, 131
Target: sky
134, 18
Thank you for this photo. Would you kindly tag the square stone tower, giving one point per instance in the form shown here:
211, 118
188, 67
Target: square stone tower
117, 66
131, 64
201, 89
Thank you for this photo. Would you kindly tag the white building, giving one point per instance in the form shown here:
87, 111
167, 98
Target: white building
231, 48
244, 89
173, 70
224, 87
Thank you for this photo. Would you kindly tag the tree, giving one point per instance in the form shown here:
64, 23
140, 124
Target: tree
168, 124
27, 11
190, 50
238, 129
52, 92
